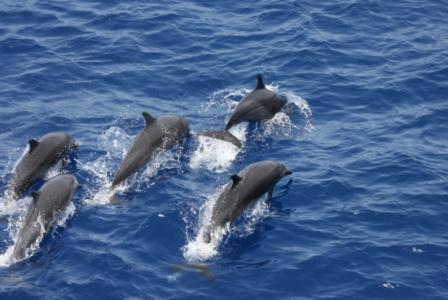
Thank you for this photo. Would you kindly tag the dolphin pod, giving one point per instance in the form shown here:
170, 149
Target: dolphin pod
244, 188
48, 202
40, 157
259, 105
159, 134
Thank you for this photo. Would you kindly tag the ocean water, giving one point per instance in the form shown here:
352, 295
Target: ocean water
365, 213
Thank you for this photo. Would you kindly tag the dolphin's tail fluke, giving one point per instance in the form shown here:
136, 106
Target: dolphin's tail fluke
222, 135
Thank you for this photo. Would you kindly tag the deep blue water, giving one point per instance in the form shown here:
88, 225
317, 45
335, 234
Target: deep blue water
365, 214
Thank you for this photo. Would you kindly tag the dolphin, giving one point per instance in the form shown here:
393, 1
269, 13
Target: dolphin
244, 188
260, 104
47, 204
40, 157
158, 135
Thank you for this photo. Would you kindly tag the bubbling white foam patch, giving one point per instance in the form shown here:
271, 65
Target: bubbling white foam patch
8, 205
197, 250
215, 154
116, 142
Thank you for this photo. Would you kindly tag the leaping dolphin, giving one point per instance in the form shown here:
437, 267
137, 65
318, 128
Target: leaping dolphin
244, 188
260, 104
47, 204
40, 157
158, 135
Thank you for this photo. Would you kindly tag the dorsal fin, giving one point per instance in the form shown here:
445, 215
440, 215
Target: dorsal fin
260, 83
35, 195
235, 180
33, 144
148, 119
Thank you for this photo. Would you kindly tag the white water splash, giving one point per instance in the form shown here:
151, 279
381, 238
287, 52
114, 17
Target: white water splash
197, 250
280, 125
253, 216
305, 110
9, 205
213, 154
217, 155
116, 143
8, 202
224, 99
15, 210
15, 224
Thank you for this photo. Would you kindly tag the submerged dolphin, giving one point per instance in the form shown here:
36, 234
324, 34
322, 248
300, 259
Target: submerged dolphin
260, 104
47, 204
245, 187
158, 135
40, 157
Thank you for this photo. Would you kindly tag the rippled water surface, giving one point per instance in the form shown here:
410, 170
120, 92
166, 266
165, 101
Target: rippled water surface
365, 213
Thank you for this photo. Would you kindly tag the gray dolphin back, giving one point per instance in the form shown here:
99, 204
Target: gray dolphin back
39, 158
260, 104
45, 208
158, 135
244, 188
